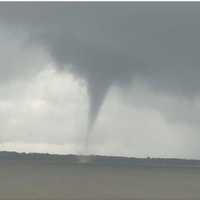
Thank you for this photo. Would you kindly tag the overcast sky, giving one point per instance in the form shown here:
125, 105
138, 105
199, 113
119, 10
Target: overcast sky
129, 71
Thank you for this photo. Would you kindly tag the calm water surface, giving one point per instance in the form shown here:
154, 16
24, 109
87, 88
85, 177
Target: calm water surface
51, 180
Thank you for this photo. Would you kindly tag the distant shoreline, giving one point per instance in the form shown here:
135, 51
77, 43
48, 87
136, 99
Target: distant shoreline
99, 160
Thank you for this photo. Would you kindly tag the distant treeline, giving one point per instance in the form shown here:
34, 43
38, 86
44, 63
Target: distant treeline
112, 161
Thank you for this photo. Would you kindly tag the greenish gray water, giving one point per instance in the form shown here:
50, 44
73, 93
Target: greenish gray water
44, 180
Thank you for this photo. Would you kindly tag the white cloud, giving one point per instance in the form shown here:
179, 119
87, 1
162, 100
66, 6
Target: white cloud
49, 108
48, 113
138, 131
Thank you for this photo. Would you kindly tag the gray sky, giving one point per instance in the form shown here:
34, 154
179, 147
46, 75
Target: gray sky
133, 68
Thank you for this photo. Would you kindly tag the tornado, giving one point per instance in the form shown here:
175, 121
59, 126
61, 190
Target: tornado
98, 88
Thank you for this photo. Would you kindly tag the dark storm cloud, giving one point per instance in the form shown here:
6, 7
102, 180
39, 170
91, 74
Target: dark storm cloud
111, 43
15, 59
